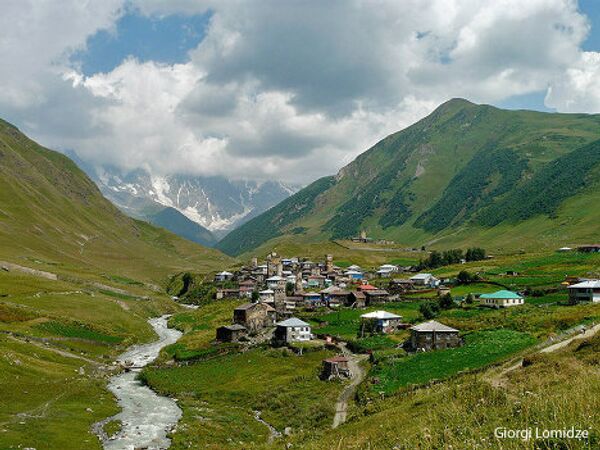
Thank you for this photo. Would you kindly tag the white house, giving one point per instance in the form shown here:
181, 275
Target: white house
501, 299
293, 330
267, 296
354, 267
275, 281
354, 274
290, 279
425, 279
387, 270
223, 276
382, 321
586, 291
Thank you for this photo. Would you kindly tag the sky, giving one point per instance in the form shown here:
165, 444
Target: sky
265, 89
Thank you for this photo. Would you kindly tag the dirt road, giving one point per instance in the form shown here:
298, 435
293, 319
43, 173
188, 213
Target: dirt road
498, 379
358, 375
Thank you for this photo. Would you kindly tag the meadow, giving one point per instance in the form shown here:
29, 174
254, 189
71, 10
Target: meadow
480, 349
219, 396
556, 391
57, 339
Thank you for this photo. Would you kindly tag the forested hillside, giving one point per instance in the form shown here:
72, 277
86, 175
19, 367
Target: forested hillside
464, 173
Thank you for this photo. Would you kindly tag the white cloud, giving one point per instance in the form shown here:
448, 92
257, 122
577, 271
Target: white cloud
288, 90
578, 89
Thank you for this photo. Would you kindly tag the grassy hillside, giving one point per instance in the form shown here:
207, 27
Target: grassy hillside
276, 221
78, 281
464, 412
53, 217
451, 398
464, 172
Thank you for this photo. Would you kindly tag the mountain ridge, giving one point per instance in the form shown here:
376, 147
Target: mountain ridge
53, 214
436, 177
215, 203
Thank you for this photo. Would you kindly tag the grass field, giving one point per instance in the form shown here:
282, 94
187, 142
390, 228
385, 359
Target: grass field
46, 401
557, 391
345, 323
480, 349
218, 396
55, 339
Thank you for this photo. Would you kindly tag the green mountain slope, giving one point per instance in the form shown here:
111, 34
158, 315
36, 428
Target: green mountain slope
54, 216
466, 173
276, 221
78, 281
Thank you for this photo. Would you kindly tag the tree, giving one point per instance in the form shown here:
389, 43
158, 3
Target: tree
289, 288
475, 254
470, 299
435, 259
427, 311
446, 302
255, 296
465, 277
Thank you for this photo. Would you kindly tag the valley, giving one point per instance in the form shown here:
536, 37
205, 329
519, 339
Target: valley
80, 281
301, 225
216, 383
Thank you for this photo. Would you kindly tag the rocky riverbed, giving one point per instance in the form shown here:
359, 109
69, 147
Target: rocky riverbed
146, 417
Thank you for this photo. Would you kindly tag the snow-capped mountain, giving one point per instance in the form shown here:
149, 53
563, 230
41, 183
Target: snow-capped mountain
215, 203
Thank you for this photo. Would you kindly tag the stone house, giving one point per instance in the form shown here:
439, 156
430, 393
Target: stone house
292, 330
227, 293
231, 333
254, 316
375, 296
336, 367
357, 299
433, 335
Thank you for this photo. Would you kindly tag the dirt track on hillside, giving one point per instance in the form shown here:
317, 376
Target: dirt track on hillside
358, 375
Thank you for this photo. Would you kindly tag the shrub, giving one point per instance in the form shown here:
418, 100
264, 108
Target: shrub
427, 310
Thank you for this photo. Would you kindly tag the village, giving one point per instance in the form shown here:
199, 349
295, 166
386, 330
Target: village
281, 292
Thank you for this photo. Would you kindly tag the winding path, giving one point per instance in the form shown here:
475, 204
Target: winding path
498, 380
357, 376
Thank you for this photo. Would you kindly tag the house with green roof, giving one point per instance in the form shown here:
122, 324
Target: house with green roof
501, 299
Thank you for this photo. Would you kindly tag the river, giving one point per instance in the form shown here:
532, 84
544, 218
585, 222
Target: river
146, 417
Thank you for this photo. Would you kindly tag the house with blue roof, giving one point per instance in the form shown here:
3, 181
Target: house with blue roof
501, 299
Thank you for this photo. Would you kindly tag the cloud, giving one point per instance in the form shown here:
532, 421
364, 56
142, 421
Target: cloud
288, 90
578, 88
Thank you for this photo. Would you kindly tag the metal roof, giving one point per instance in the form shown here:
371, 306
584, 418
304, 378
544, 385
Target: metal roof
380, 315
234, 327
433, 325
502, 294
275, 278
292, 322
421, 276
589, 284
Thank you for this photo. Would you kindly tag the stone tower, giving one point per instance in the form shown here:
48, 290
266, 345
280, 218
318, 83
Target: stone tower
328, 263
274, 266
299, 287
